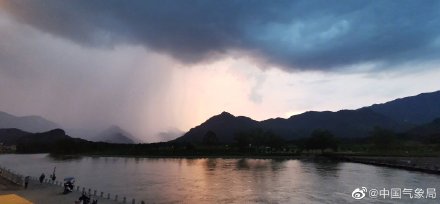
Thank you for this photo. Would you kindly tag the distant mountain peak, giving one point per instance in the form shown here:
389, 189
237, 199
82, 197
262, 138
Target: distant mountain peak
115, 134
398, 115
221, 117
115, 128
57, 131
419, 109
225, 114
27, 123
5, 114
224, 125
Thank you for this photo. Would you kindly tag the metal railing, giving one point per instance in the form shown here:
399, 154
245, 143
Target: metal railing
12, 176
19, 179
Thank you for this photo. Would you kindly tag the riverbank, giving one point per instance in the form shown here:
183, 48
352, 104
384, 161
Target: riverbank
421, 164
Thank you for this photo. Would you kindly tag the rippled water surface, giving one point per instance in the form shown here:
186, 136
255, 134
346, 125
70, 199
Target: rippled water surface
227, 180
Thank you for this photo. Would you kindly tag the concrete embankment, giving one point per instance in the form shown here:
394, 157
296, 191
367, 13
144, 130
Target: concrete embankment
422, 164
50, 192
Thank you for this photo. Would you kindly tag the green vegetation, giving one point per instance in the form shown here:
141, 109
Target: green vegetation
321, 140
258, 138
384, 142
210, 139
255, 142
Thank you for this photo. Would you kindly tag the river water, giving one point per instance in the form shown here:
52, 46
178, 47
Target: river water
229, 180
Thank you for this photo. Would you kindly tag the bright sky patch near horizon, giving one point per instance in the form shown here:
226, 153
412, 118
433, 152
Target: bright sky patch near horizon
156, 68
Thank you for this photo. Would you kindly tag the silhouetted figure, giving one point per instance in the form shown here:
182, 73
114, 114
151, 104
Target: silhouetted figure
52, 176
68, 187
84, 198
42, 177
26, 182
95, 201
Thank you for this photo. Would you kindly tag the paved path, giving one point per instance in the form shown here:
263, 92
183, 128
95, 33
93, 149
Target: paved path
48, 194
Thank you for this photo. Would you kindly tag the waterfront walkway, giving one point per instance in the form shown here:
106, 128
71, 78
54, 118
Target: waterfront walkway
46, 193
50, 192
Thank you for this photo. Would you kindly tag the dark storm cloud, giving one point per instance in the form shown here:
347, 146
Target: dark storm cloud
294, 34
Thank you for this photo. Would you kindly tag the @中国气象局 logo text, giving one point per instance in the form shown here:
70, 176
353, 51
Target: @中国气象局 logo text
359, 193
394, 193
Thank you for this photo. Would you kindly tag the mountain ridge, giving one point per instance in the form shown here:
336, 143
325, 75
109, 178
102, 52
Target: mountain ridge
112, 134
115, 134
402, 109
30, 123
344, 123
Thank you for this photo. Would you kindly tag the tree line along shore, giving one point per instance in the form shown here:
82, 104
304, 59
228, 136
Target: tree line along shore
257, 142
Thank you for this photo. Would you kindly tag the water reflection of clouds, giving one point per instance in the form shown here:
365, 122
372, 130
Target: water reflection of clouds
211, 164
215, 180
260, 164
247, 179
191, 162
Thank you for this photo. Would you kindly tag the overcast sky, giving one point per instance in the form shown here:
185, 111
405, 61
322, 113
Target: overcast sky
159, 67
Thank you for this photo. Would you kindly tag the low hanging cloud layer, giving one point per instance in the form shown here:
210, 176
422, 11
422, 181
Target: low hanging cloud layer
293, 35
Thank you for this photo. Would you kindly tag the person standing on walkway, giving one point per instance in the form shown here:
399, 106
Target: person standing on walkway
84, 198
26, 182
52, 176
42, 177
